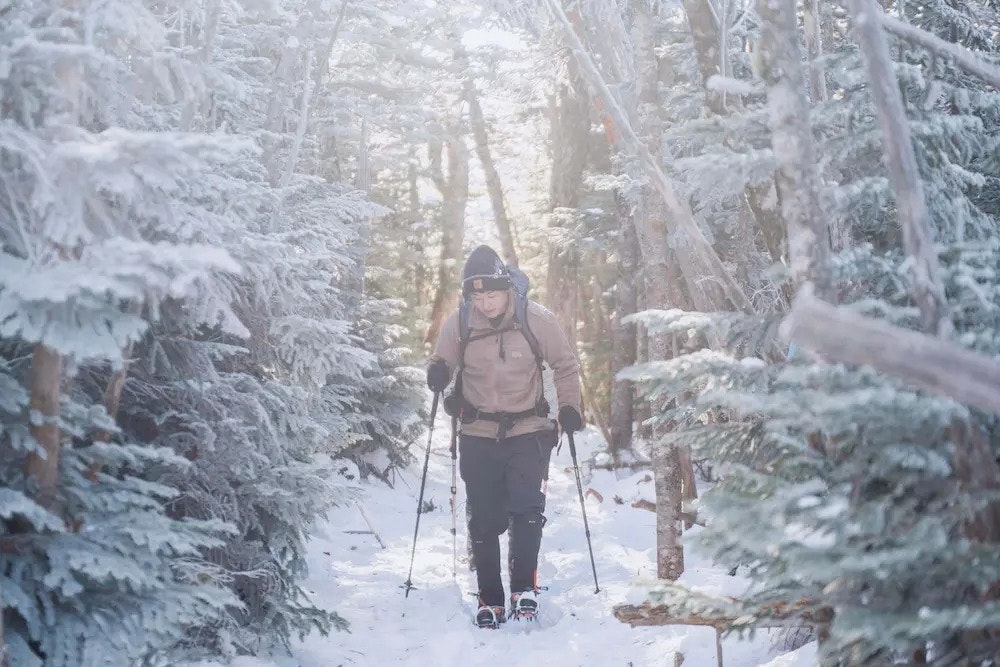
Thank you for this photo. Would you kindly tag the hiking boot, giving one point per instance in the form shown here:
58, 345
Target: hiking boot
488, 616
524, 606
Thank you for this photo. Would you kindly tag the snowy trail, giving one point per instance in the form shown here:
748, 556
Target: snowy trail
351, 574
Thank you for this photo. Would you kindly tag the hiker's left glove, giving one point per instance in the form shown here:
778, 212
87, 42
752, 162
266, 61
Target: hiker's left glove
569, 419
438, 376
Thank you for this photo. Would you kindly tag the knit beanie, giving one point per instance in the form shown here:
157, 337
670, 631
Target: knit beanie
484, 272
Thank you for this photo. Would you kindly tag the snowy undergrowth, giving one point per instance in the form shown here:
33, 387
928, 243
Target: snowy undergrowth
351, 573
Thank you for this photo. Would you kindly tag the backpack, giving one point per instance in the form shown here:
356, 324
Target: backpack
519, 285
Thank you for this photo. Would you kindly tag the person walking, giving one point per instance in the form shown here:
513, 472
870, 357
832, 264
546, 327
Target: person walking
495, 344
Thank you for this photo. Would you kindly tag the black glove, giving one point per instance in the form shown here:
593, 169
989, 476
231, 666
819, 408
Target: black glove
569, 419
438, 376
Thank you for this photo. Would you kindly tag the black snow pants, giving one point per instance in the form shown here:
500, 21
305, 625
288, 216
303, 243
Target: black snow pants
505, 490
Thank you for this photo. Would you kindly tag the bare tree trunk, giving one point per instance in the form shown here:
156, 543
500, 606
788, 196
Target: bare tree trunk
668, 482
455, 192
814, 47
705, 31
46, 375
651, 233
113, 396
419, 270
302, 125
493, 183
797, 178
570, 139
914, 220
623, 336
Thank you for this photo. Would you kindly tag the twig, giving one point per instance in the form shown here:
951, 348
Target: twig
365, 516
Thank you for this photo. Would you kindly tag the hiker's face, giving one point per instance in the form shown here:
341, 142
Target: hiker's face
490, 304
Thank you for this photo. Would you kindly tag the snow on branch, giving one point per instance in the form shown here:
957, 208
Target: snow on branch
964, 58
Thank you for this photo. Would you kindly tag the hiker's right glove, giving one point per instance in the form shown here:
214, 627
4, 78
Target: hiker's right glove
438, 376
569, 419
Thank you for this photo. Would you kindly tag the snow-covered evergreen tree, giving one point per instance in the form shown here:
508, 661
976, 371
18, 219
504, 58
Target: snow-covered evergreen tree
845, 492
94, 569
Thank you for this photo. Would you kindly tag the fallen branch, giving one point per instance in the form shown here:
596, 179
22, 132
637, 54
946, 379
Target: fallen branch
919, 360
962, 57
777, 614
374, 532
690, 518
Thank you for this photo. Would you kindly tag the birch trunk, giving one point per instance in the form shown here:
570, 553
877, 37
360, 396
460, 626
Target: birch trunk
455, 193
926, 289
796, 178
46, 375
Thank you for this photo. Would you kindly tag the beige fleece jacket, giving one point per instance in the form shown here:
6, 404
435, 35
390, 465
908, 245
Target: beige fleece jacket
510, 382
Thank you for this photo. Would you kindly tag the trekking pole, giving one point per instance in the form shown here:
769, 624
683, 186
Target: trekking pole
420, 503
454, 497
583, 506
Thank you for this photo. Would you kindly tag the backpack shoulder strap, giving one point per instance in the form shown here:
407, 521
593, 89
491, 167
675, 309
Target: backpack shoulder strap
521, 320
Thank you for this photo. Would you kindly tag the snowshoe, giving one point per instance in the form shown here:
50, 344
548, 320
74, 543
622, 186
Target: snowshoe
489, 616
524, 606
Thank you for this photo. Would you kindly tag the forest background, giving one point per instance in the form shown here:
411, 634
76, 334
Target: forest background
231, 229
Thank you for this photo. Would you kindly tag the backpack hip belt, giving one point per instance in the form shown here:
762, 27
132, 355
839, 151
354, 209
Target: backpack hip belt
468, 413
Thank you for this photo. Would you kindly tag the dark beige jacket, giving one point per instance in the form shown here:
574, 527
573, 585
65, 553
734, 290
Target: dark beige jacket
511, 382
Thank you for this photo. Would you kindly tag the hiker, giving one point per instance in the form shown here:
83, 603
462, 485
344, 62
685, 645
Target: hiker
496, 343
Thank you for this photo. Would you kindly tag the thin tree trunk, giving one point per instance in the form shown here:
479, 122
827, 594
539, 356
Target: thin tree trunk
651, 233
455, 192
493, 183
926, 289
814, 47
112, 397
705, 32
623, 336
419, 270
570, 139
302, 125
668, 481
46, 375
797, 178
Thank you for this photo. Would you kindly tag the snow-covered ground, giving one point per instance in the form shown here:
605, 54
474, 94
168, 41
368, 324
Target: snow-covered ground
351, 574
